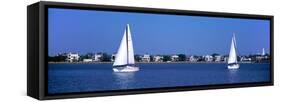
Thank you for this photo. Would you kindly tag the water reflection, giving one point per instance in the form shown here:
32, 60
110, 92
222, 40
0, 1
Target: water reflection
232, 76
124, 80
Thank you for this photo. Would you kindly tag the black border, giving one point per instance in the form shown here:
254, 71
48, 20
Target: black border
43, 27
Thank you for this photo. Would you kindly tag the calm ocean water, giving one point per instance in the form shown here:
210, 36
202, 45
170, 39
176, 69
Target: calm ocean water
65, 78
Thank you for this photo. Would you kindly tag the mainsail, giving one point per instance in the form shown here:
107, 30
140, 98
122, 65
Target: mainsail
232, 54
232, 59
125, 54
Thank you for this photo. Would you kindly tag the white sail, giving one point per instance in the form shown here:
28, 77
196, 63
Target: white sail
131, 58
232, 59
121, 56
125, 54
232, 54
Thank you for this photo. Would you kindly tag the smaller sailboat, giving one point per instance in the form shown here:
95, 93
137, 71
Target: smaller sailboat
232, 62
125, 61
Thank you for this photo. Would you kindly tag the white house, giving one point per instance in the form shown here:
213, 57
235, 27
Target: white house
175, 58
193, 59
72, 57
218, 58
245, 59
208, 58
97, 57
87, 60
158, 58
145, 58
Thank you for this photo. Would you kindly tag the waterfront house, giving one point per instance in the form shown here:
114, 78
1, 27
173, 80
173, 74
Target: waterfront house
245, 59
158, 58
175, 58
193, 59
218, 58
208, 58
145, 58
87, 60
259, 58
72, 57
97, 57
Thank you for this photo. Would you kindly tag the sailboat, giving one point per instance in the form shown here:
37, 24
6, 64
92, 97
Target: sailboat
232, 59
125, 61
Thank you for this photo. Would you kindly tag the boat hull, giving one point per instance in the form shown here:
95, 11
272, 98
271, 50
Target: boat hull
233, 66
126, 69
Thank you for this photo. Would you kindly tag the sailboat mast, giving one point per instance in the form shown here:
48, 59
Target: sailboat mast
127, 27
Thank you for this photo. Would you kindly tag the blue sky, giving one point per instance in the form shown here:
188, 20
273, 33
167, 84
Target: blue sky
84, 31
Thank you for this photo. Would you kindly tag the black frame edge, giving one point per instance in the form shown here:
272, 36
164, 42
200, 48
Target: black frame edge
32, 50
272, 50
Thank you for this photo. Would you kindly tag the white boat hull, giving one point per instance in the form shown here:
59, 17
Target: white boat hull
126, 69
233, 66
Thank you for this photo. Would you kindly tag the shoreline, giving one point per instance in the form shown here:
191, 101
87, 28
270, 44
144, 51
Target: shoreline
151, 62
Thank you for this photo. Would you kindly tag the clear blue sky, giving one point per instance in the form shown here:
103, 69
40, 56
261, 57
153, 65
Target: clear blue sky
83, 31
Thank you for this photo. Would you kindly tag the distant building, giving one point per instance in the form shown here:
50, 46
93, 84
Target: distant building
218, 58
175, 58
158, 58
266, 56
145, 58
97, 57
260, 58
245, 59
193, 59
72, 57
208, 58
87, 60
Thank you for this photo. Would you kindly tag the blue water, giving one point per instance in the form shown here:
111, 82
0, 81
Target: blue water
65, 78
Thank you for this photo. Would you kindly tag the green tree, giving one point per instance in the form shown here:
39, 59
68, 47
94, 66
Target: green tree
105, 57
86, 56
138, 58
166, 58
215, 54
200, 59
151, 58
182, 57
59, 58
